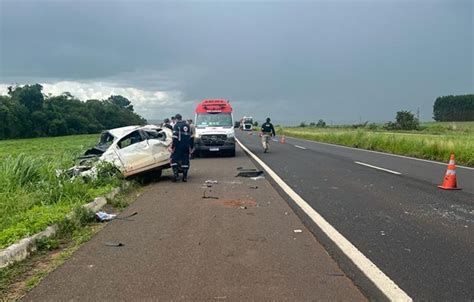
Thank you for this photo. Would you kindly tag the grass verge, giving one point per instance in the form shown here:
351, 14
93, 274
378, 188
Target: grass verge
33, 195
19, 278
415, 144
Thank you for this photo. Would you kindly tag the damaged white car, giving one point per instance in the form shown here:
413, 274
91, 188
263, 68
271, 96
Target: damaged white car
132, 149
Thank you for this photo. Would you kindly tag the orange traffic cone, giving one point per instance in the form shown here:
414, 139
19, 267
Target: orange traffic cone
449, 182
282, 139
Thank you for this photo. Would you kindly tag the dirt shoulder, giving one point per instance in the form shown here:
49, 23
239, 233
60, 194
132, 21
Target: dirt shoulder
181, 246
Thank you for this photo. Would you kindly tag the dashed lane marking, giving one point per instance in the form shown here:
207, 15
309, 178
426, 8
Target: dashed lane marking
378, 168
300, 147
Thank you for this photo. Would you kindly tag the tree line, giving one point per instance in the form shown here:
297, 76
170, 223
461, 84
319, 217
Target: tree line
27, 112
454, 108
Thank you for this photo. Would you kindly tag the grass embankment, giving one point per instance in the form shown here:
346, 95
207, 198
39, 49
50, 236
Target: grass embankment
435, 141
32, 196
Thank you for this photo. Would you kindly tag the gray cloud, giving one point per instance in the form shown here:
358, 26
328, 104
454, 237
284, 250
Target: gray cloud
294, 61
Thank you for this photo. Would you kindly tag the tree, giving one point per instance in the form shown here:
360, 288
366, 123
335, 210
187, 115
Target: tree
30, 96
404, 120
321, 124
255, 124
120, 101
454, 108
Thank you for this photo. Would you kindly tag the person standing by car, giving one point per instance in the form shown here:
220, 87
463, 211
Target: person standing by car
267, 132
166, 123
173, 121
182, 144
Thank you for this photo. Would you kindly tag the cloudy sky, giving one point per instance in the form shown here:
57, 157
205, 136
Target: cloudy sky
342, 61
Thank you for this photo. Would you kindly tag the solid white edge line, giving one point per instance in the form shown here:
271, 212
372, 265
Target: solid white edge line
300, 147
378, 168
378, 152
373, 273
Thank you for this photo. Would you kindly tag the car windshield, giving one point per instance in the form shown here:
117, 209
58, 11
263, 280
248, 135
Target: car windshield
214, 120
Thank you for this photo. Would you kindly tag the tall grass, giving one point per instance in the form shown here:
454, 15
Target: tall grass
428, 146
32, 195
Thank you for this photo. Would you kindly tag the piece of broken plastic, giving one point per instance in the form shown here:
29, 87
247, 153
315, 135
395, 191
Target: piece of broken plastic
258, 177
210, 182
103, 216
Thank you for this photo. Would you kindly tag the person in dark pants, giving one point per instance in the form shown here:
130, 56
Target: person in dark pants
267, 132
183, 142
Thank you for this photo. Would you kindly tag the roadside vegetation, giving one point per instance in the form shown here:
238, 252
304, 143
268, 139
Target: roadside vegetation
26, 112
33, 195
434, 141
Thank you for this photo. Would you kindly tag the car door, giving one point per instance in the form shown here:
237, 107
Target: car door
160, 143
134, 152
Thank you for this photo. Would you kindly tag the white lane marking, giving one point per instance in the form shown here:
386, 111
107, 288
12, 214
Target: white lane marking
378, 168
382, 281
382, 153
300, 147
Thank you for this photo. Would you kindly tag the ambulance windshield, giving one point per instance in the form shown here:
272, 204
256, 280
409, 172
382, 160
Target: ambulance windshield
213, 120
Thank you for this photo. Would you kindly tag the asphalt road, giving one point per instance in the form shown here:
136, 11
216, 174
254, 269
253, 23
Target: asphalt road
420, 236
238, 245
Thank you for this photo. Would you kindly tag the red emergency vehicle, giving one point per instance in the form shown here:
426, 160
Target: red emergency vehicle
214, 127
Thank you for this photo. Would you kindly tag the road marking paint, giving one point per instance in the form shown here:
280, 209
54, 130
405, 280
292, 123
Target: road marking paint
382, 153
371, 271
300, 147
378, 168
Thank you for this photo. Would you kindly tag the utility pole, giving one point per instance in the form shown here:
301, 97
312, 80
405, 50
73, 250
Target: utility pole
418, 113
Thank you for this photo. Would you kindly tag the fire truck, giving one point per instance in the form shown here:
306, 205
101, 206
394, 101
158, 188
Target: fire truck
214, 127
246, 123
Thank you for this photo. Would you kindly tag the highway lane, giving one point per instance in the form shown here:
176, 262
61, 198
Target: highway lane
420, 236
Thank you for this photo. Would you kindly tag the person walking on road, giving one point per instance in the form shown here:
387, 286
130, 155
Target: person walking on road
267, 132
183, 142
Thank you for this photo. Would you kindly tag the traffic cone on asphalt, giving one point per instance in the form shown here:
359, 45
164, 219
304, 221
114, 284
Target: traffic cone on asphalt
449, 182
282, 139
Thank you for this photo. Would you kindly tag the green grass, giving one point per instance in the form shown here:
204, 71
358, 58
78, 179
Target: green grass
435, 141
32, 196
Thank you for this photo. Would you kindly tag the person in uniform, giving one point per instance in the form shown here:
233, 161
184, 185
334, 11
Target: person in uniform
267, 132
183, 142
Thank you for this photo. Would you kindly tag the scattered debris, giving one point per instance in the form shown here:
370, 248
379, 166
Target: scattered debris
211, 182
407, 249
382, 233
103, 216
237, 203
128, 216
114, 244
258, 177
253, 187
208, 197
249, 173
243, 208
286, 213
335, 274
298, 231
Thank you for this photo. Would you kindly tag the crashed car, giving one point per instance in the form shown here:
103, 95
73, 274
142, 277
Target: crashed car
132, 149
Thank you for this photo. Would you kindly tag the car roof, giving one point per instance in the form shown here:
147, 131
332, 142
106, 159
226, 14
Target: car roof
122, 131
